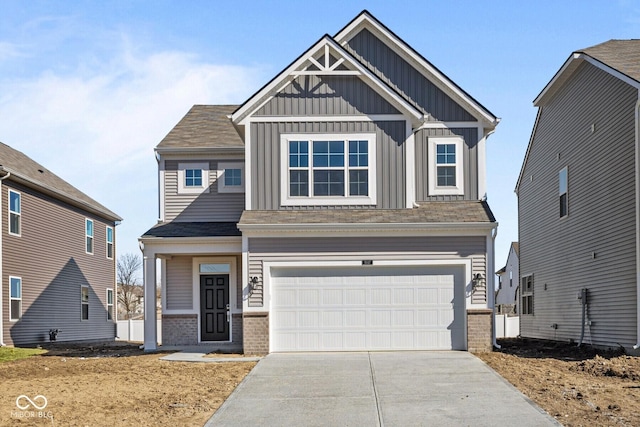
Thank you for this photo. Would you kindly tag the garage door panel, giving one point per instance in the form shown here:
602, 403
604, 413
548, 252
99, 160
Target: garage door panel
366, 311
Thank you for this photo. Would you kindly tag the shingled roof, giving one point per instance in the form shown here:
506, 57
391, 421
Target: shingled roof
204, 126
621, 55
27, 171
193, 229
426, 213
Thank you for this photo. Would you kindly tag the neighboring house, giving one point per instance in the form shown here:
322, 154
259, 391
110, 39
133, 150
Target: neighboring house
58, 257
339, 208
508, 281
578, 202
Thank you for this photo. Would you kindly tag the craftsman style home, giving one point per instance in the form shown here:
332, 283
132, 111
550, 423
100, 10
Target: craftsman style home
342, 207
579, 227
57, 257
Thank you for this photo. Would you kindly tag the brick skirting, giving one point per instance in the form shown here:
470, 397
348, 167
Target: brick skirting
182, 329
255, 333
480, 330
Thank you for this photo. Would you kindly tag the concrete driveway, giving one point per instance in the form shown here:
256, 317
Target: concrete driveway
376, 389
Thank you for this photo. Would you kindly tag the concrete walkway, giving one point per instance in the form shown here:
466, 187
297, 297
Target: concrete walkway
377, 389
205, 354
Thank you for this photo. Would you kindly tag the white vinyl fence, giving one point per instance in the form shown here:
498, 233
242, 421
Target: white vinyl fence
507, 326
133, 330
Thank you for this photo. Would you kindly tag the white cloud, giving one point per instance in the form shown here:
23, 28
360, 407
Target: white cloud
97, 127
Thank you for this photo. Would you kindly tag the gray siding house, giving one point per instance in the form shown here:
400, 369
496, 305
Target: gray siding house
57, 257
339, 208
509, 283
578, 202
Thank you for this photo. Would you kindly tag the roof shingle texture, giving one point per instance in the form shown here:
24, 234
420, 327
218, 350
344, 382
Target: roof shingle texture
20, 165
193, 229
204, 126
427, 213
621, 55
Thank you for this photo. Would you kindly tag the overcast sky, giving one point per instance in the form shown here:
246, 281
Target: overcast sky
89, 88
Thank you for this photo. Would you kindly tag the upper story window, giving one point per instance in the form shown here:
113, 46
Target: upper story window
446, 173
15, 212
88, 227
231, 177
328, 169
109, 242
563, 191
193, 178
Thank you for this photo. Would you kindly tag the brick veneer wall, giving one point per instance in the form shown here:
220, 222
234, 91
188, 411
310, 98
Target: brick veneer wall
236, 328
479, 331
255, 333
179, 329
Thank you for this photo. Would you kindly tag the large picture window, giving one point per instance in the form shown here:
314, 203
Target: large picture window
446, 172
328, 169
15, 212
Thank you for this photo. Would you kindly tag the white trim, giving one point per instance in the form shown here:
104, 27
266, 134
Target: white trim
466, 263
161, 189
481, 166
245, 271
222, 186
83, 303
432, 167
233, 289
287, 200
287, 75
113, 313
450, 125
350, 118
414, 59
410, 167
106, 242
11, 320
183, 188
93, 236
10, 212
248, 185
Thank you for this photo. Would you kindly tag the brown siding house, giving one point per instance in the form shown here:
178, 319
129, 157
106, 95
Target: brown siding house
57, 257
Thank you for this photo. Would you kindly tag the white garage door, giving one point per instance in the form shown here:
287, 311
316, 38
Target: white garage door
367, 308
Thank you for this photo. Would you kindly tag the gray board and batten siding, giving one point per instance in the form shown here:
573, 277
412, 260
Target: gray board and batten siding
206, 206
390, 158
404, 78
375, 248
594, 246
50, 258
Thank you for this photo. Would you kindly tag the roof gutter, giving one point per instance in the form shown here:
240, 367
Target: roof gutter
6, 175
60, 195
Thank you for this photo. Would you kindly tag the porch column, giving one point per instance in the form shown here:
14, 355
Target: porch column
150, 317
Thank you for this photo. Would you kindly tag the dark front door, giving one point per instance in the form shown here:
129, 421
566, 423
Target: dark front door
214, 307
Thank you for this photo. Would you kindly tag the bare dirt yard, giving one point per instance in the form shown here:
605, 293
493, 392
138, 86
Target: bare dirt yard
578, 386
113, 385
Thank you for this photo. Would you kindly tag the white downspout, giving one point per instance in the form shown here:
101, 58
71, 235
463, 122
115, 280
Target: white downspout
2, 344
637, 164
492, 285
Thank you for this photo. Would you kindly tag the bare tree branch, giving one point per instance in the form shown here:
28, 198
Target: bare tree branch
129, 290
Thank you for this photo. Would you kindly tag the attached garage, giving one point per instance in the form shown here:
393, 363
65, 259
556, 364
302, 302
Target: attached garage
367, 308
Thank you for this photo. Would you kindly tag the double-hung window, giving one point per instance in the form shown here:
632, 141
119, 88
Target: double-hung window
109, 304
15, 212
15, 297
526, 290
563, 191
446, 173
328, 169
109, 242
84, 301
88, 231
231, 177
193, 178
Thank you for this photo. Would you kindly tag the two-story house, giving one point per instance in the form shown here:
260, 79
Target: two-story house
57, 257
578, 212
508, 283
341, 207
